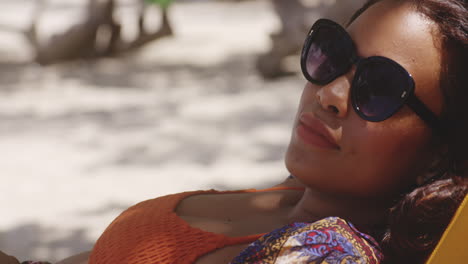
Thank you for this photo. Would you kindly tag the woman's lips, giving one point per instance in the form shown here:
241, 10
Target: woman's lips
312, 131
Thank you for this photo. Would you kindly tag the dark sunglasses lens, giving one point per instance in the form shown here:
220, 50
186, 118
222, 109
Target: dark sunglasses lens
379, 89
329, 54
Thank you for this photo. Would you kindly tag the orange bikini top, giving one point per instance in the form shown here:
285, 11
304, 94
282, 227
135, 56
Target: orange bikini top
151, 232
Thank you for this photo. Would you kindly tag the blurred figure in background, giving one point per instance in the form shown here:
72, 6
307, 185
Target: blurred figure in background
296, 17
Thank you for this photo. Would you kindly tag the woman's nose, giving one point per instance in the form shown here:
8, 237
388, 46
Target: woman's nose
334, 97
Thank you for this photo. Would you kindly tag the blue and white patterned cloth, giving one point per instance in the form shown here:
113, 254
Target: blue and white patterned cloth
331, 240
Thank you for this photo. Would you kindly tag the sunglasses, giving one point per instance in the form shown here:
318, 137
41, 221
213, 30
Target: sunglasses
380, 86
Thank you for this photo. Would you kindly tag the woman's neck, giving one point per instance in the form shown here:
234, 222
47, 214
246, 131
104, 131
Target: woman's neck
366, 214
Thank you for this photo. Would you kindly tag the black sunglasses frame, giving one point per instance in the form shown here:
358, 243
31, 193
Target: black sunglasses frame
408, 97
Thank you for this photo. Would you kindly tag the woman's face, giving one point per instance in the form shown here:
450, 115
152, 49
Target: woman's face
371, 159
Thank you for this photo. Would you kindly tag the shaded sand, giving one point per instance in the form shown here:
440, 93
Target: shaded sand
83, 141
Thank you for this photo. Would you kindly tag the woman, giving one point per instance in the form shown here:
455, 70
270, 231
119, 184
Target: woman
382, 116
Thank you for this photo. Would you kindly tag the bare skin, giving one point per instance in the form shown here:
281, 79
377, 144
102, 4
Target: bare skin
7, 259
77, 259
374, 161
81, 258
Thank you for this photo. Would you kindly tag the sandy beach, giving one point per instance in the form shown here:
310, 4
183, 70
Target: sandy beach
82, 141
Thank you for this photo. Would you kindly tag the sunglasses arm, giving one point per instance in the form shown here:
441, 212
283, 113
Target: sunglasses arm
425, 114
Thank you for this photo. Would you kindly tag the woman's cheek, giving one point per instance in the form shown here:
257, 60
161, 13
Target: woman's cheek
392, 157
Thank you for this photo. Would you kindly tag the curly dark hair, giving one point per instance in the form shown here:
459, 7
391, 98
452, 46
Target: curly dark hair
418, 221
419, 218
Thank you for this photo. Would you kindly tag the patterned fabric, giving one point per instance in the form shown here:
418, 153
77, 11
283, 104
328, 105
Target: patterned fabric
331, 240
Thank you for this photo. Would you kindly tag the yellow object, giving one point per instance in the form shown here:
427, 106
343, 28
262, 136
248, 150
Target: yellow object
453, 246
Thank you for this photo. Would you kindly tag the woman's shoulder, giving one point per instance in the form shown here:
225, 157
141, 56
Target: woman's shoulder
187, 200
210, 204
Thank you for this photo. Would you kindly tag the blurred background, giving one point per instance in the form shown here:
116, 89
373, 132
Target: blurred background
107, 103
